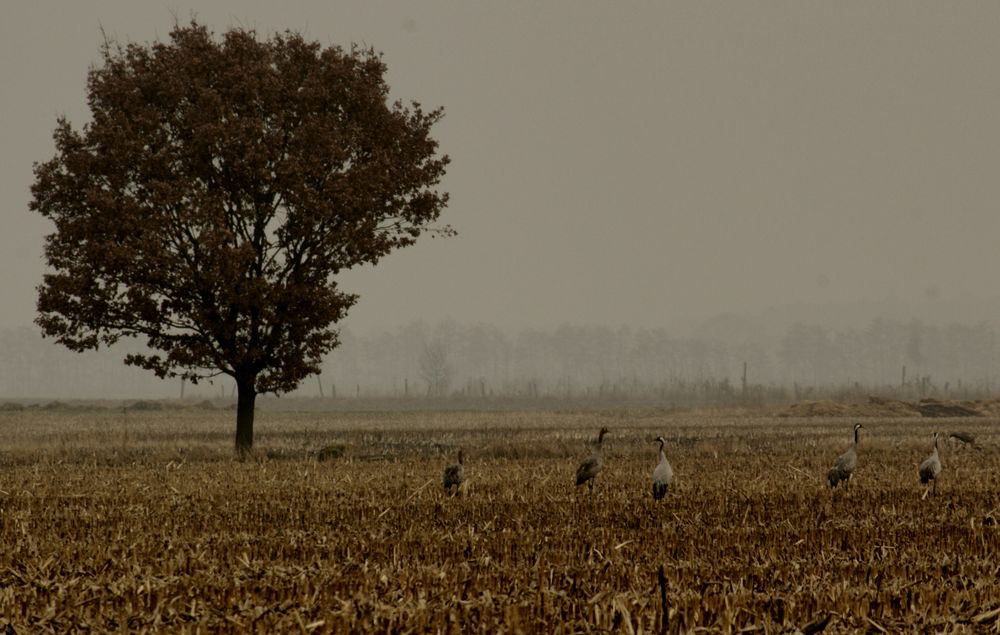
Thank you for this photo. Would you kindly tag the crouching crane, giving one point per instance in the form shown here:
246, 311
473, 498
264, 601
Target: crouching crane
454, 475
930, 469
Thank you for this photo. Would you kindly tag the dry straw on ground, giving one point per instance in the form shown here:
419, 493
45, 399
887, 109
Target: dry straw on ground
141, 521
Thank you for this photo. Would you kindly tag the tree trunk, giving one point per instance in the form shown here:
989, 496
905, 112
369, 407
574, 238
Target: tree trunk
244, 416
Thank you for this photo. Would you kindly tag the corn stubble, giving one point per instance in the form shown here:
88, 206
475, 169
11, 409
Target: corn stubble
165, 532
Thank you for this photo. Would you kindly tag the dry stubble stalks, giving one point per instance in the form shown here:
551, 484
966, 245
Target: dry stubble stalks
165, 531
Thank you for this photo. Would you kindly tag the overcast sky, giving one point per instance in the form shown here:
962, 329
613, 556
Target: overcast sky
639, 163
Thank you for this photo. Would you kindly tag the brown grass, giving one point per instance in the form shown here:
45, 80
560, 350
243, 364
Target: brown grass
142, 521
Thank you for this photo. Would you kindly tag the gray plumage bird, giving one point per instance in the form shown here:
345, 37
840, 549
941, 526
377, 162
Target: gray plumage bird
593, 464
843, 467
454, 475
930, 469
966, 438
663, 475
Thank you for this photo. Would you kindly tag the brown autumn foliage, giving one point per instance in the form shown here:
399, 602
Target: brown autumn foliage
141, 521
220, 187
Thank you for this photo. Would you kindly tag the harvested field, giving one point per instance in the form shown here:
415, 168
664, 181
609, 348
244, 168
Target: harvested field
142, 521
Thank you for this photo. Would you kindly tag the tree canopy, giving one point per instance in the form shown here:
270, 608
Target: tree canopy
220, 187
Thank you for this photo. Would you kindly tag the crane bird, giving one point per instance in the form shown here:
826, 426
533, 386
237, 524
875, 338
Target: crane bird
965, 438
843, 467
663, 475
592, 465
454, 475
930, 469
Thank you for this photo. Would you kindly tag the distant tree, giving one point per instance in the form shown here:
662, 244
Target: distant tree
806, 350
435, 368
220, 187
914, 341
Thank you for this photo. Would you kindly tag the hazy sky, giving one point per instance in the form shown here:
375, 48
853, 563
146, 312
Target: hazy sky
627, 163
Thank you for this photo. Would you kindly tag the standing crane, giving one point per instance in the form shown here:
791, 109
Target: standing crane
843, 467
454, 475
663, 475
592, 465
930, 469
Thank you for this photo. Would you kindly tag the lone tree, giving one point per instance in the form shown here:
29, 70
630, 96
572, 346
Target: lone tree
219, 189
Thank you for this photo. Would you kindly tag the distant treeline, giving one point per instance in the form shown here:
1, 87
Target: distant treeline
744, 362
737, 361
35, 368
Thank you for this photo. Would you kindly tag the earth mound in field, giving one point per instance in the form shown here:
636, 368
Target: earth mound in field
885, 407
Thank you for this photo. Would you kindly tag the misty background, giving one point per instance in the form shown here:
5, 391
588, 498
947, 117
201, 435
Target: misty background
647, 196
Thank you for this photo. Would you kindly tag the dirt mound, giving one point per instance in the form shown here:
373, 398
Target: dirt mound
824, 408
884, 407
875, 407
987, 408
145, 405
935, 408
